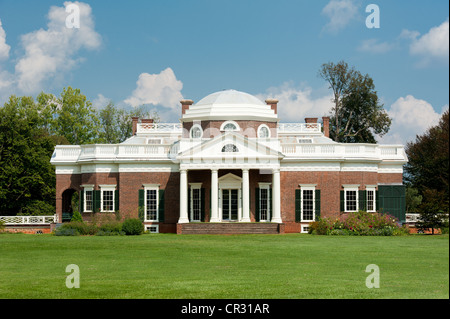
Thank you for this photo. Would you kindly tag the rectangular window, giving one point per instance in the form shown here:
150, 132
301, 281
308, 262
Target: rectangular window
108, 201
196, 204
107, 198
88, 200
371, 206
351, 199
307, 204
154, 229
264, 202
151, 204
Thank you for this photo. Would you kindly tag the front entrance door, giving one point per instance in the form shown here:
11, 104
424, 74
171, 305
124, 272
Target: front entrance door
230, 204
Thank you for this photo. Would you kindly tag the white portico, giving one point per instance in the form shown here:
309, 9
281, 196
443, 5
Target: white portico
223, 136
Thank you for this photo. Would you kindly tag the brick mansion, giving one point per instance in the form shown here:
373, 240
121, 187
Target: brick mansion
230, 166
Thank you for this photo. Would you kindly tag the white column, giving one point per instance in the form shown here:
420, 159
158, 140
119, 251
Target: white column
245, 196
183, 197
276, 193
214, 196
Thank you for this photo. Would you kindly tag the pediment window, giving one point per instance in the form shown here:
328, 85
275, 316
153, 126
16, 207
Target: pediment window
230, 148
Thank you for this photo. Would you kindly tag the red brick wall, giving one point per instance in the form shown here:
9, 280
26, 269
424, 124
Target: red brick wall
212, 128
128, 184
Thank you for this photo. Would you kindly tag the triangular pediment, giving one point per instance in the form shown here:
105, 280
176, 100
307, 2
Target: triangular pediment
230, 145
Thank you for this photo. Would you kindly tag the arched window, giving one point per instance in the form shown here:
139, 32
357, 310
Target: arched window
230, 148
229, 126
263, 131
196, 131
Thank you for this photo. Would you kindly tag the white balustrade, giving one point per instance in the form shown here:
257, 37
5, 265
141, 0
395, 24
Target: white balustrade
28, 220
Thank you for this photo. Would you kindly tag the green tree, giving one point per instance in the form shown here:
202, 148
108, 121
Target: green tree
413, 200
428, 158
75, 118
357, 114
27, 179
428, 171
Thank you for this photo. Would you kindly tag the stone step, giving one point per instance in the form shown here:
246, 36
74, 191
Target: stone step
230, 228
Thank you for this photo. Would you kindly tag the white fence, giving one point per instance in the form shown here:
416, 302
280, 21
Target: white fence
29, 220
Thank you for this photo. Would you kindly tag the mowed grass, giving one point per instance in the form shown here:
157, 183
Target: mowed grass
290, 266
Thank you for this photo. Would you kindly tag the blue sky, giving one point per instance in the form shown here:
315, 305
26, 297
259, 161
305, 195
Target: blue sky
157, 52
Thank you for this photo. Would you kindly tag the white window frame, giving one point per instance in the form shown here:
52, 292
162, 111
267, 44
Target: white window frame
237, 128
88, 188
105, 188
147, 228
148, 187
308, 187
265, 186
191, 199
371, 189
259, 131
192, 130
349, 188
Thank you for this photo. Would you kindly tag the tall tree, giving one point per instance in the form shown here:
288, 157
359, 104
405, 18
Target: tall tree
75, 118
428, 171
356, 115
27, 179
428, 158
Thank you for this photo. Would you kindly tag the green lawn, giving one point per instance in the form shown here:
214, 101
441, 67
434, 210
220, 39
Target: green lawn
241, 266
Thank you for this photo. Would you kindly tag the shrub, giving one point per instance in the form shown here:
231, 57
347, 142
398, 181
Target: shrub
80, 227
132, 226
76, 217
359, 224
110, 229
61, 231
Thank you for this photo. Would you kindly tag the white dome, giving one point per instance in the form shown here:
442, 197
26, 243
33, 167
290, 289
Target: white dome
230, 105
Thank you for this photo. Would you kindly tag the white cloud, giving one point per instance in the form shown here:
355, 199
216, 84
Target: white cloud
432, 45
296, 103
100, 102
157, 89
374, 46
51, 53
340, 14
410, 116
4, 48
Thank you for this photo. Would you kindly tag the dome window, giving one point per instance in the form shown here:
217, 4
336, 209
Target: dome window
230, 148
196, 131
230, 126
263, 131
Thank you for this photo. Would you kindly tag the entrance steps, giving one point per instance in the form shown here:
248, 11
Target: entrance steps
230, 228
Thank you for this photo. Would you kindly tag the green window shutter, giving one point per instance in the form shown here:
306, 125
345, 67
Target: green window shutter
317, 203
362, 200
257, 213
161, 205
97, 200
81, 201
202, 203
342, 201
116, 200
391, 200
189, 203
141, 204
298, 202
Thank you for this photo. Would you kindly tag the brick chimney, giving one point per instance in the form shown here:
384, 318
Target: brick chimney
326, 126
134, 122
185, 105
311, 119
273, 104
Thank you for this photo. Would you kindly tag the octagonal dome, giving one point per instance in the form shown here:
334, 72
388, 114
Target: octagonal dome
230, 105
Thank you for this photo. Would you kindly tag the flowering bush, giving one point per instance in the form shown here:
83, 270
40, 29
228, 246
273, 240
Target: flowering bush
360, 223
